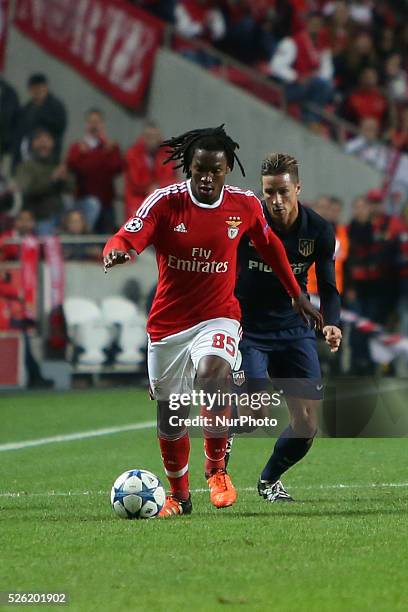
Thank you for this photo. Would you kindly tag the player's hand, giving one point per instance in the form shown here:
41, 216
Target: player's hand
332, 335
308, 312
113, 258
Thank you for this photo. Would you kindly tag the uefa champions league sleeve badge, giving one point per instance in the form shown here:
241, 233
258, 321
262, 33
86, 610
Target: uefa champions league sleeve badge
134, 225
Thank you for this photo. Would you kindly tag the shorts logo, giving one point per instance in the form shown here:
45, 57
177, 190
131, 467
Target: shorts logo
306, 246
233, 226
239, 378
134, 225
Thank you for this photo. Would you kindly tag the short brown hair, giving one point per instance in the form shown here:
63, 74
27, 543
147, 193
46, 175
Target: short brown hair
280, 163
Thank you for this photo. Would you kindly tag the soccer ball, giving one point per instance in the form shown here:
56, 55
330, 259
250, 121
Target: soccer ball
137, 494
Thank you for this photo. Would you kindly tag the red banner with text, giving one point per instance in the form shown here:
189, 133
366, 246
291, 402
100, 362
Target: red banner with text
110, 42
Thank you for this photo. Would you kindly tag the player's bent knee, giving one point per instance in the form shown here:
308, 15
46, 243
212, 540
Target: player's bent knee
304, 423
304, 426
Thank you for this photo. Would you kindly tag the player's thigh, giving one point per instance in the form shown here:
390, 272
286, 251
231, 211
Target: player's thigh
254, 365
219, 337
169, 366
296, 369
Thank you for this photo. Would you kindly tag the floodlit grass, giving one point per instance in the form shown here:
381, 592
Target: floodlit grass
336, 548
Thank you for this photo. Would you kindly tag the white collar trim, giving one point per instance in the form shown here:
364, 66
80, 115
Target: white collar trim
201, 204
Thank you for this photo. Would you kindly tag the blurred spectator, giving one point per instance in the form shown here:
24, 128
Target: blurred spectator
24, 225
331, 209
367, 145
12, 317
373, 266
358, 54
43, 183
9, 202
367, 99
321, 206
386, 44
303, 63
399, 134
361, 11
340, 26
74, 224
163, 9
145, 170
96, 161
9, 111
43, 110
246, 38
199, 19
395, 78
13, 309
335, 212
403, 267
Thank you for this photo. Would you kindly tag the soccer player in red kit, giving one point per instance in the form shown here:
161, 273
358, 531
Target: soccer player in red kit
193, 326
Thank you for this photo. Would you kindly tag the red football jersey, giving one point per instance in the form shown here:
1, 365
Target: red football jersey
196, 249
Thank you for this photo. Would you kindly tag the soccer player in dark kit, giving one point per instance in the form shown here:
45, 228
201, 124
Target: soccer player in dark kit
276, 340
194, 323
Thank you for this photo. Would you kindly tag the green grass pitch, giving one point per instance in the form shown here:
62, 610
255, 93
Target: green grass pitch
336, 548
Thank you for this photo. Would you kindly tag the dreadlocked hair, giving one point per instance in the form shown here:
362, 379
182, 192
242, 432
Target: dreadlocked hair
280, 163
181, 148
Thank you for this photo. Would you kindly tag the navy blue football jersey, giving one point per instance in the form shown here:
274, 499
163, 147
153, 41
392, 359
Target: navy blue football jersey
266, 306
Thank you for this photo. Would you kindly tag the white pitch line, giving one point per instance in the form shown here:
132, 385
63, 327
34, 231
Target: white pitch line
79, 435
381, 485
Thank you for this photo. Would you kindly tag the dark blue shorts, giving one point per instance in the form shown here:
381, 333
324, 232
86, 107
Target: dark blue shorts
288, 357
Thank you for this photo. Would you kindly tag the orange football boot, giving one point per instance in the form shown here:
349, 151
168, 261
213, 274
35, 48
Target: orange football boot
173, 507
222, 491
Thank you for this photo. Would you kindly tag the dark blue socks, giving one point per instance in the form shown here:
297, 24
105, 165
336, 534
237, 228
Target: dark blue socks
287, 451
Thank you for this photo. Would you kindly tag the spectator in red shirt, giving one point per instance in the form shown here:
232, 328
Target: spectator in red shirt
145, 171
96, 161
367, 100
24, 225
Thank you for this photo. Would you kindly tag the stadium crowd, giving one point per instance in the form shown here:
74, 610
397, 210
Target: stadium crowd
346, 56
351, 56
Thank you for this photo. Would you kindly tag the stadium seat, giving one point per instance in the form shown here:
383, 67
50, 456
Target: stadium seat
87, 329
131, 324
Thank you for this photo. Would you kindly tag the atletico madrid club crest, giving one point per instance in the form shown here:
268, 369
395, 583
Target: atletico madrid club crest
134, 225
233, 226
306, 246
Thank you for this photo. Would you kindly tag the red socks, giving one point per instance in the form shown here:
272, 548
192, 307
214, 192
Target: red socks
215, 439
175, 455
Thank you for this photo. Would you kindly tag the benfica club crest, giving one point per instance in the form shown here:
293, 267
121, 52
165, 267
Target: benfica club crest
233, 226
306, 246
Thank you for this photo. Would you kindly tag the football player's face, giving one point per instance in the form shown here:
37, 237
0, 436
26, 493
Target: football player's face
208, 170
280, 195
